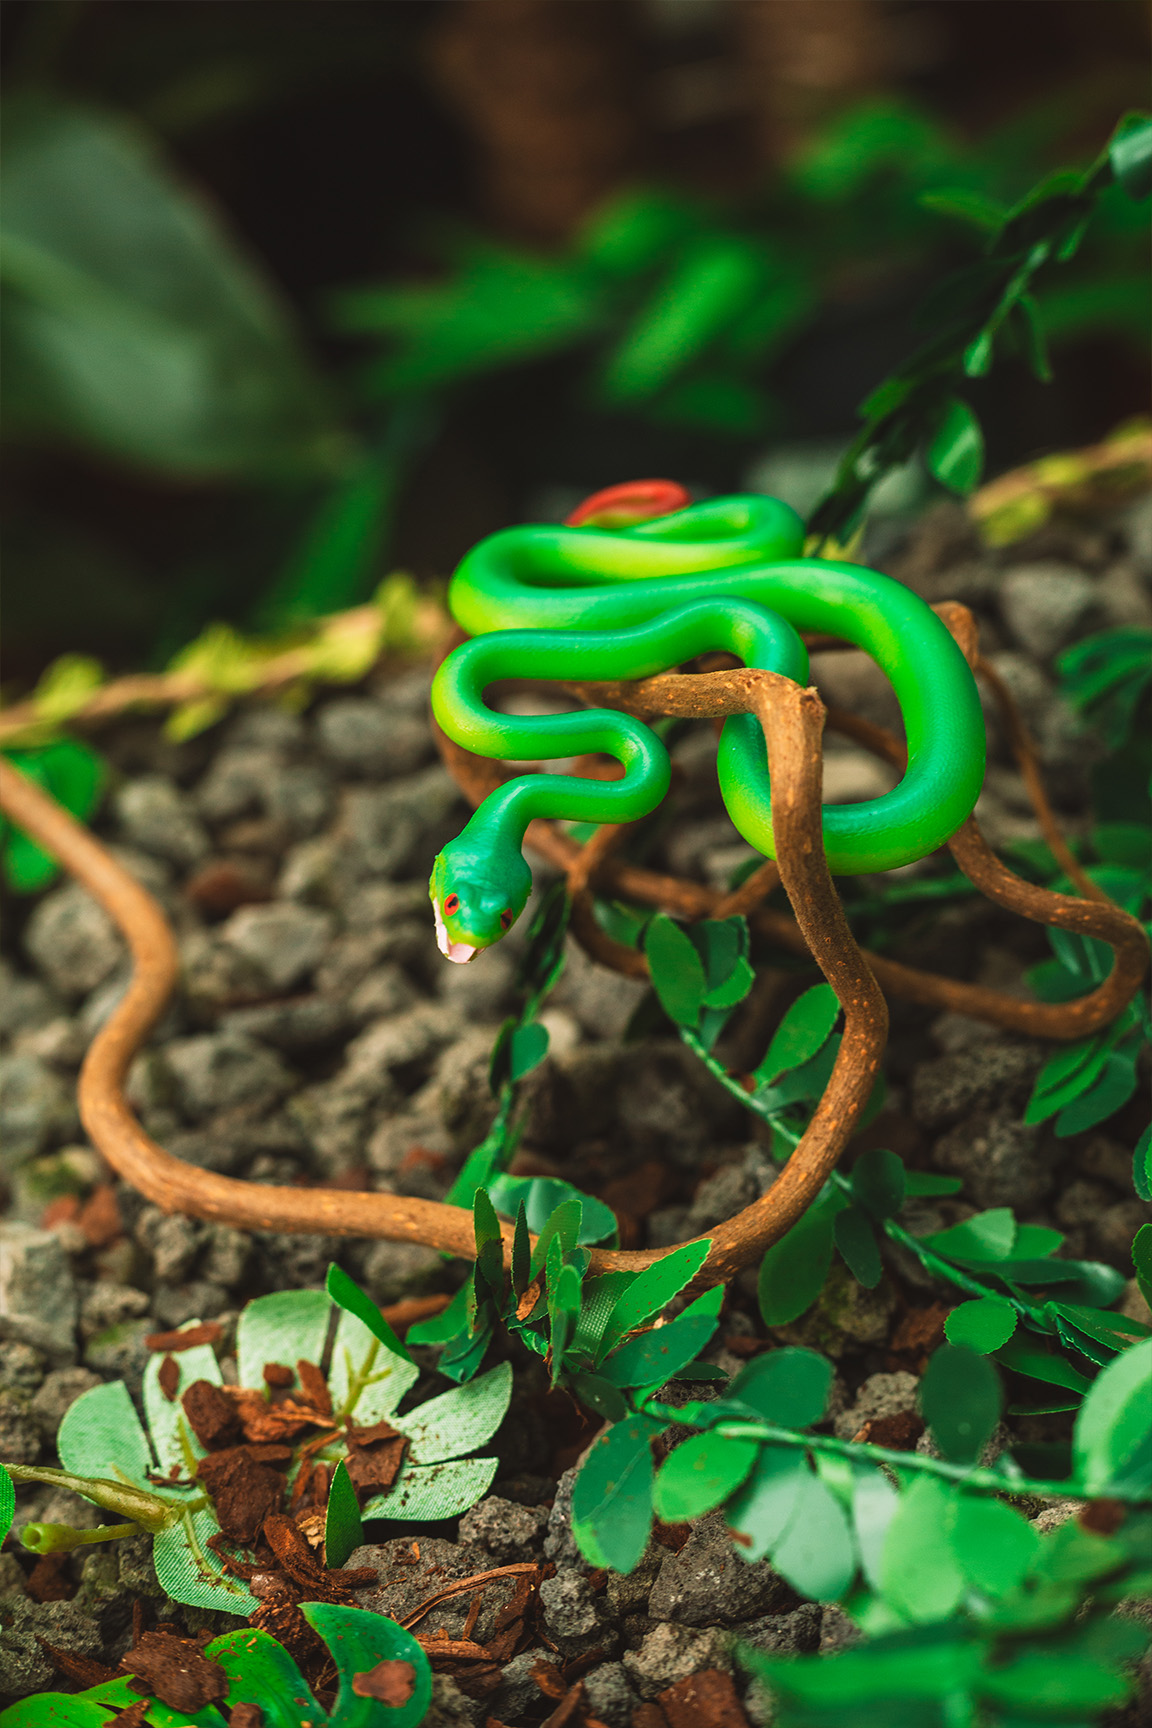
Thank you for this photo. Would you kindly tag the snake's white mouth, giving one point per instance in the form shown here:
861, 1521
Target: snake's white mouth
460, 952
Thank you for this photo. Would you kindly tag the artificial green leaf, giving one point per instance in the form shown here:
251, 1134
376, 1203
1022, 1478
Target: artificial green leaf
874, 1504
955, 453
1130, 153
425, 1493
920, 1182
920, 1576
960, 1400
101, 1435
879, 1183
1116, 1084
528, 1047
1110, 1442
1142, 1165
994, 1546
343, 1529
793, 1271
1142, 1261
652, 1290
612, 1495
1034, 1242
966, 206
677, 970
260, 1671
988, 1237
816, 1553
701, 1473
460, 1420
7, 1502
563, 1225
521, 1251
1026, 1358
439, 1328
189, 1571
288, 1326
761, 1511
789, 1387
600, 1395
132, 324
802, 1032
1067, 1074
982, 1325
1040, 1686
856, 1240
653, 1357
173, 1440
598, 1298
359, 1642
541, 1195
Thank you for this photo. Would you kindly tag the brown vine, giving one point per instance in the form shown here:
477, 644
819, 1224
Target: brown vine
793, 720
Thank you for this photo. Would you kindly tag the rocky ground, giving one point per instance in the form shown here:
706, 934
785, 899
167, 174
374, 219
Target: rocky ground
319, 1038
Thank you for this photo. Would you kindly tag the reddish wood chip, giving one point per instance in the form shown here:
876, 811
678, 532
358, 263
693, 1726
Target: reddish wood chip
208, 1332
648, 1716
374, 1468
1104, 1516
921, 1328
899, 1431
211, 1414
243, 1491
99, 1217
284, 1537
85, 1669
50, 1580
314, 1387
401, 1315
570, 1710
547, 1677
177, 1671
671, 1536
168, 1378
263, 1421
707, 1700
278, 1374
246, 1716
131, 1715
222, 884
391, 1683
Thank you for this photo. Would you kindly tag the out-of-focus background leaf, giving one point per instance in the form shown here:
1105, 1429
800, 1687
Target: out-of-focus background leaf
295, 294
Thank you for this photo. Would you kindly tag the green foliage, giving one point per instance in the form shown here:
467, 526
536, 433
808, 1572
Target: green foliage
1106, 676
700, 972
109, 1458
260, 1671
132, 323
75, 776
983, 309
7, 1502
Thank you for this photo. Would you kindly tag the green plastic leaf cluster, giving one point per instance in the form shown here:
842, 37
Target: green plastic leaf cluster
260, 1671
102, 1441
585, 1329
75, 776
986, 308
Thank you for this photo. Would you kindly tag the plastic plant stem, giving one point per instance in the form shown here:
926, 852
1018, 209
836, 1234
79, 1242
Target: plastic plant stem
918, 1463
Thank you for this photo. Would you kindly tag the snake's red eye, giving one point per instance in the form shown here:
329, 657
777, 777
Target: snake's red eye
452, 904
506, 920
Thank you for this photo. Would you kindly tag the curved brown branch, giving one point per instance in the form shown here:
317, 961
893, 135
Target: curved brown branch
793, 720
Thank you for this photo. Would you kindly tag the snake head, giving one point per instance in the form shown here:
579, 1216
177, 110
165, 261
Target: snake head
477, 894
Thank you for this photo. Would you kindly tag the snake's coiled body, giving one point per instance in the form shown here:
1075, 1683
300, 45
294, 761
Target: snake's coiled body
585, 604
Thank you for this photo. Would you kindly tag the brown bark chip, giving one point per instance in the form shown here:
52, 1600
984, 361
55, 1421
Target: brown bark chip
899, 1432
246, 1716
168, 1378
176, 1670
85, 1669
391, 1683
707, 1700
570, 1711
293, 1555
262, 1421
649, 1716
314, 1387
99, 1217
131, 1715
208, 1332
278, 1374
212, 1415
243, 1491
374, 1468
50, 1580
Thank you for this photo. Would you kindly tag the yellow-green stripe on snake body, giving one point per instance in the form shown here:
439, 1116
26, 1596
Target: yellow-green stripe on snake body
585, 603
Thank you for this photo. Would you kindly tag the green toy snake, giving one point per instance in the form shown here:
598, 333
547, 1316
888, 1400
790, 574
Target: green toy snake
594, 602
